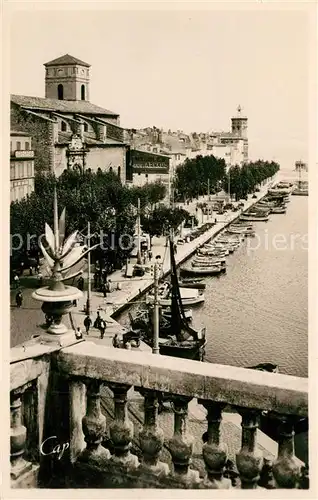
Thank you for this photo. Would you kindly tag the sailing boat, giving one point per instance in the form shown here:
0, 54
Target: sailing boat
186, 342
178, 338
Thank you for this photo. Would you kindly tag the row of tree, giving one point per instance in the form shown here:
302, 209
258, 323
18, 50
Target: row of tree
99, 198
242, 181
198, 175
207, 174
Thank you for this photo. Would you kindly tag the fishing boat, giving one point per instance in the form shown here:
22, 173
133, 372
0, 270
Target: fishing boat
254, 216
206, 259
205, 270
189, 296
212, 252
192, 283
278, 210
185, 341
141, 321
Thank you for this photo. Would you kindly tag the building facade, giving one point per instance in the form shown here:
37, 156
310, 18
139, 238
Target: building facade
21, 165
67, 130
232, 146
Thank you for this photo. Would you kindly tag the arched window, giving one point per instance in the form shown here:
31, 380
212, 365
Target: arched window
63, 126
119, 169
60, 92
83, 92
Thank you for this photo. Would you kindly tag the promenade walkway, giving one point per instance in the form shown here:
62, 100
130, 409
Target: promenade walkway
132, 288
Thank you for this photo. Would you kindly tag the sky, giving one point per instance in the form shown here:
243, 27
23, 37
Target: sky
186, 70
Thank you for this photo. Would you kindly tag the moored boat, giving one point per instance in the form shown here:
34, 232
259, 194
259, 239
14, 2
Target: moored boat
189, 296
254, 216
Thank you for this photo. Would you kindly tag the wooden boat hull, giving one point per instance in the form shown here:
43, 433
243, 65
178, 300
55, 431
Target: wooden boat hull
254, 218
203, 271
186, 350
198, 286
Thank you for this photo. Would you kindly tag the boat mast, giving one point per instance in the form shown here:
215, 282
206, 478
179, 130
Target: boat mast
155, 345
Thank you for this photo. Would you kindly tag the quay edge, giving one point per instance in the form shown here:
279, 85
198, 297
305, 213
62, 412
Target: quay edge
192, 248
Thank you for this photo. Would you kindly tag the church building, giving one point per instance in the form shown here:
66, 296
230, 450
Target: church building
67, 130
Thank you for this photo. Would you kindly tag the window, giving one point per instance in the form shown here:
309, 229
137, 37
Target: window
85, 127
63, 126
60, 92
119, 171
18, 145
83, 92
27, 146
30, 173
11, 146
12, 172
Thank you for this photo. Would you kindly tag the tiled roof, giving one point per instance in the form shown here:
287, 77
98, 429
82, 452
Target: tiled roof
66, 59
43, 103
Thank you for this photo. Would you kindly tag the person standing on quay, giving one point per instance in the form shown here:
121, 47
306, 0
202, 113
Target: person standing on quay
19, 298
16, 281
102, 328
87, 324
78, 333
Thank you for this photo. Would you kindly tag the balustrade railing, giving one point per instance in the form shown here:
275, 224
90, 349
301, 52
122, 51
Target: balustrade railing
81, 455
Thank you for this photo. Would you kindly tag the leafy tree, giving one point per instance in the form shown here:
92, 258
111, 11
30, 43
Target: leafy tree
162, 219
245, 179
195, 176
99, 198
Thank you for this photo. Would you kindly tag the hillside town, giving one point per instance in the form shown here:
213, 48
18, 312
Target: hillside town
142, 292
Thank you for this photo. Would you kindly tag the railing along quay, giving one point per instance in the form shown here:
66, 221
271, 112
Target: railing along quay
59, 433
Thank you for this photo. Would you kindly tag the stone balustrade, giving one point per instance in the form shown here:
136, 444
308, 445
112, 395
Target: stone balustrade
88, 449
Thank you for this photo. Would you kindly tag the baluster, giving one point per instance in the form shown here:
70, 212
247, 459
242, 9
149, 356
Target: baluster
286, 470
94, 426
152, 437
249, 460
304, 477
18, 434
181, 444
121, 429
214, 451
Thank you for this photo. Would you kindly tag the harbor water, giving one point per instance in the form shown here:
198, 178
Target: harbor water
257, 312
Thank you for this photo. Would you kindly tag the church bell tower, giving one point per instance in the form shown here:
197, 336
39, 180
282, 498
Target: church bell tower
239, 124
67, 78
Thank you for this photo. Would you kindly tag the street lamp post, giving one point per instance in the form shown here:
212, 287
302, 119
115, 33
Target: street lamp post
155, 346
88, 302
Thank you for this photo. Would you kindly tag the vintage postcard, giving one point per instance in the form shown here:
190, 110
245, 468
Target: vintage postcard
161, 238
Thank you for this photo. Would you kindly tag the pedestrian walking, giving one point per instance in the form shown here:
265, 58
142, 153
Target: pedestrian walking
19, 298
16, 281
102, 328
78, 333
149, 255
21, 268
97, 321
95, 280
87, 324
104, 290
31, 271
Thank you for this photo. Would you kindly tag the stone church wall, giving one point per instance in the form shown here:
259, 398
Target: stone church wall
41, 132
